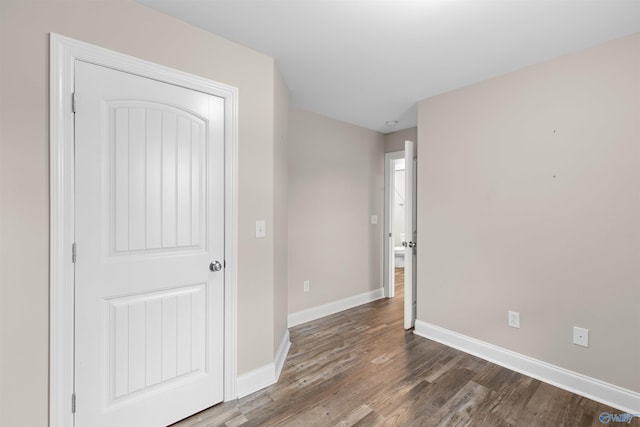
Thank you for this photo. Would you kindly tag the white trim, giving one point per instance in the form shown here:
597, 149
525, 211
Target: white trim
295, 319
594, 389
388, 257
281, 354
255, 380
61, 222
230, 245
63, 54
266, 375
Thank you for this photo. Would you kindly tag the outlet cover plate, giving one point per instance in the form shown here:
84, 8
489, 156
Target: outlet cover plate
581, 336
514, 319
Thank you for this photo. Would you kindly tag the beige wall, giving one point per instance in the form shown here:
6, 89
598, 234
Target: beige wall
280, 213
133, 29
336, 182
528, 201
394, 141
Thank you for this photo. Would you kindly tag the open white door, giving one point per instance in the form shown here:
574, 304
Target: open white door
410, 235
149, 296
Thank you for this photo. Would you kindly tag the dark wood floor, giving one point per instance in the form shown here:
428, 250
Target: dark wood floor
359, 367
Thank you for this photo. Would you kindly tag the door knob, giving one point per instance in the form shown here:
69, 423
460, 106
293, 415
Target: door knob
215, 266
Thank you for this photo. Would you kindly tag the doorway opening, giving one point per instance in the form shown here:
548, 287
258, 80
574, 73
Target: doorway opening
394, 224
400, 229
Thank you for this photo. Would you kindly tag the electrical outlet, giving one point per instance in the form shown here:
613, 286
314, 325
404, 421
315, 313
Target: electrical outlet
261, 229
514, 319
374, 219
306, 286
581, 336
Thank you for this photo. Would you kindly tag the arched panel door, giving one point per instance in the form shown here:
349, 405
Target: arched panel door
149, 188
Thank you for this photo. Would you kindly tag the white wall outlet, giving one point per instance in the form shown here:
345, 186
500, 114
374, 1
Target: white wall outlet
261, 229
374, 219
514, 319
581, 336
306, 286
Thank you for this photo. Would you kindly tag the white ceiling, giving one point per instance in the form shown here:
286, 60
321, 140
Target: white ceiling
369, 62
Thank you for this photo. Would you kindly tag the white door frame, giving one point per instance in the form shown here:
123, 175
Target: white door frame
389, 185
63, 54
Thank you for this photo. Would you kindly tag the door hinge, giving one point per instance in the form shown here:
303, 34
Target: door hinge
74, 101
73, 403
73, 253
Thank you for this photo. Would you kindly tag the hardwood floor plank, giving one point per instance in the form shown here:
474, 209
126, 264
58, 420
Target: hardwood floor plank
403, 409
371, 420
360, 367
355, 416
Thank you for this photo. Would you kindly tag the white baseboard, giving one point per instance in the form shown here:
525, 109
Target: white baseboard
600, 391
266, 375
255, 380
314, 313
281, 354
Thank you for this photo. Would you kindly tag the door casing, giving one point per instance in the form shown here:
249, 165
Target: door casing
64, 52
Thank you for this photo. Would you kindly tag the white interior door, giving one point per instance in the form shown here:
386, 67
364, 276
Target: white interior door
410, 235
149, 222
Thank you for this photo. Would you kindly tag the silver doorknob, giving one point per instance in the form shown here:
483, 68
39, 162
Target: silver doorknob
411, 244
215, 266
